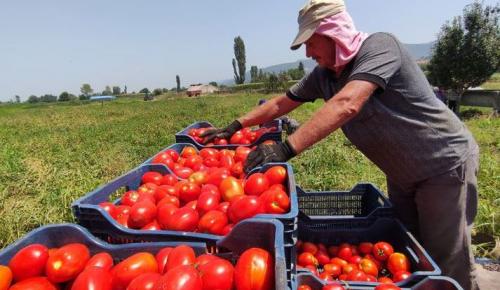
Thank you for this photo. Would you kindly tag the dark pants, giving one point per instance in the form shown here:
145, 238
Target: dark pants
440, 212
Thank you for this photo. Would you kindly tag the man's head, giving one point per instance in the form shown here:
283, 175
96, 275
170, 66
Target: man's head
311, 15
322, 49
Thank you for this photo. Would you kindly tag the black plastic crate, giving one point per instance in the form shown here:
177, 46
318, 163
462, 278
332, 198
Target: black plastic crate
429, 283
88, 213
183, 137
266, 234
363, 201
334, 232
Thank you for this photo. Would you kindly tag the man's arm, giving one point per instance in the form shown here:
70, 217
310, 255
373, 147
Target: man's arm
335, 112
276, 107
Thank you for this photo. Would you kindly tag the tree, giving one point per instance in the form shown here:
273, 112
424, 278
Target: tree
240, 60
254, 73
86, 89
83, 97
117, 90
125, 90
107, 91
48, 98
144, 91
33, 99
467, 51
157, 92
213, 84
63, 97
178, 80
18, 99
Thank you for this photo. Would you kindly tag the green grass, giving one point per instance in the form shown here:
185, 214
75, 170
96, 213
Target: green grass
52, 154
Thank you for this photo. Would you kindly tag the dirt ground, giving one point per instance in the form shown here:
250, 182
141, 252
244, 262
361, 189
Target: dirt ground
488, 280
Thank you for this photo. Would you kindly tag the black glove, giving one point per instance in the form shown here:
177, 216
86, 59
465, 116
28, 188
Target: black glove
225, 133
279, 152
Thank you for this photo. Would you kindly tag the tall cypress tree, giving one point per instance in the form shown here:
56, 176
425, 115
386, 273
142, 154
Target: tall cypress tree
178, 80
240, 60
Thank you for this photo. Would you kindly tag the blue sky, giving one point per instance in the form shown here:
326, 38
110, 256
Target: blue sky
51, 46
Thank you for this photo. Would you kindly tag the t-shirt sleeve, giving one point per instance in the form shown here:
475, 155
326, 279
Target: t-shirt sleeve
378, 60
308, 88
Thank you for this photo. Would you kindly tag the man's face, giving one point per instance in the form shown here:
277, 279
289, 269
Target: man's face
322, 50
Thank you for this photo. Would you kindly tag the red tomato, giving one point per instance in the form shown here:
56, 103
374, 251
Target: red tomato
127, 270
168, 179
347, 269
309, 247
230, 188
180, 256
152, 177
345, 253
211, 162
100, 260
94, 278
241, 153
209, 152
180, 278
354, 259
67, 262
365, 248
333, 269
339, 261
5, 277
109, 208
325, 277
183, 172
213, 222
400, 276
164, 213
227, 229
223, 206
256, 184
188, 191
254, 270
215, 177
198, 178
307, 258
29, 262
382, 250
236, 138
385, 280
193, 161
220, 141
275, 201
183, 219
243, 208
237, 169
152, 226
226, 161
386, 286
207, 201
129, 198
276, 175
204, 259
304, 287
217, 275
173, 154
169, 199
333, 286
356, 275
147, 188
34, 283
371, 258
322, 258
369, 267
162, 258
188, 151
398, 262
141, 214
144, 281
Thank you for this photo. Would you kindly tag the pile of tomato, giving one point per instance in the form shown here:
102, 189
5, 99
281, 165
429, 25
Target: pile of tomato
211, 200
338, 286
245, 136
71, 267
365, 262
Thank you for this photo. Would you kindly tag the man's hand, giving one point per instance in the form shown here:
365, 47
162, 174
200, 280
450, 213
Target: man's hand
280, 152
224, 133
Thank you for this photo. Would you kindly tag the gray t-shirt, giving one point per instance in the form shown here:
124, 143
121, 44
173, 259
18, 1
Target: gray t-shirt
403, 128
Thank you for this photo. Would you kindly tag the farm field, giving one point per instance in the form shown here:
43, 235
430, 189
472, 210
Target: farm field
51, 154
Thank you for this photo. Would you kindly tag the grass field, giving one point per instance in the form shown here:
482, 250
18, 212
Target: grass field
51, 154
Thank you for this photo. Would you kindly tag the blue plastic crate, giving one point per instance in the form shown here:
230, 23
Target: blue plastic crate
247, 234
363, 201
98, 221
183, 137
335, 232
429, 283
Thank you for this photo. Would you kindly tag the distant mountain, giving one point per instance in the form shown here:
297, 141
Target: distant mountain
418, 51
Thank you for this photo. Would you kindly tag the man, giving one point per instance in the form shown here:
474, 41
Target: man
379, 97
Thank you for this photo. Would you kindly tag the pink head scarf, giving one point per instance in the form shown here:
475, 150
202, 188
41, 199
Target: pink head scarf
340, 28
